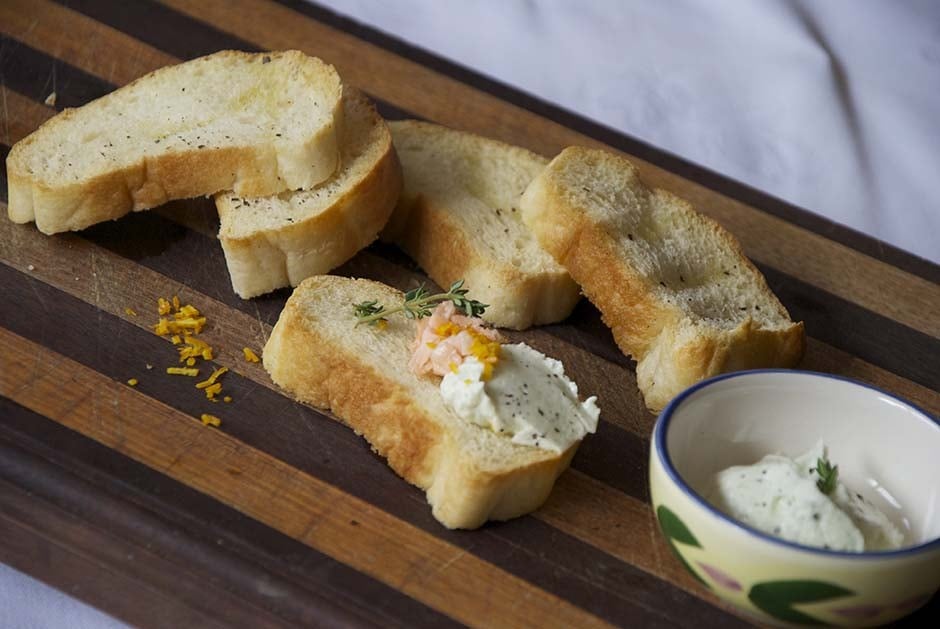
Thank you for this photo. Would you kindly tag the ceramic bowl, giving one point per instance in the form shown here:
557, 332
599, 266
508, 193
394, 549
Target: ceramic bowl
887, 449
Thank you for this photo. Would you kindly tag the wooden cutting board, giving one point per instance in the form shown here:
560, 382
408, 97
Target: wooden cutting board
119, 496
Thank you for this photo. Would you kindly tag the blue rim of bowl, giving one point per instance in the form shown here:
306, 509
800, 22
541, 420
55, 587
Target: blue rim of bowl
659, 440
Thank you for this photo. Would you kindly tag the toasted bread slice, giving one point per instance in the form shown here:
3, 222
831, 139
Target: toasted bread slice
277, 241
319, 355
674, 286
458, 218
255, 123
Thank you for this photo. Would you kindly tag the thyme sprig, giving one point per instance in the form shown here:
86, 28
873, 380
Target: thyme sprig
828, 475
419, 303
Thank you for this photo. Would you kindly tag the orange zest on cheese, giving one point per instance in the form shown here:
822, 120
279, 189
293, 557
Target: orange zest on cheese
250, 356
129, 311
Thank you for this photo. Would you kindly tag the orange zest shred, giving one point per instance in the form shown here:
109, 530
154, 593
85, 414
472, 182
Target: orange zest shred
227, 399
182, 322
211, 379
129, 311
210, 386
182, 371
210, 420
132, 382
250, 356
483, 348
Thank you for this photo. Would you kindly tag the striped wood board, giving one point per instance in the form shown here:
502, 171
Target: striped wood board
283, 517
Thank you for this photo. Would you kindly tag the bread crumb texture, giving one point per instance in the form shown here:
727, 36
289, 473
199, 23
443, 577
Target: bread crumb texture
674, 287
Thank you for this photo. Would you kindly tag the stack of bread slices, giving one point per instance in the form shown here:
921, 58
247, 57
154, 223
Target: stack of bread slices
305, 173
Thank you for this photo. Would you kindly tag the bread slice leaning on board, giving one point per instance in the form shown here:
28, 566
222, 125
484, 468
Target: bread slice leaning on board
674, 287
458, 217
276, 241
319, 355
255, 123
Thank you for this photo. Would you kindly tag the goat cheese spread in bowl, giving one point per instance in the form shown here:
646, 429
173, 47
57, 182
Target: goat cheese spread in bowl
802, 500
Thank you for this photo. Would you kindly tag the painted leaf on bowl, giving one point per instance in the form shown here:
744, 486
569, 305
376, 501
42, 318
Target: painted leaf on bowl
675, 530
777, 598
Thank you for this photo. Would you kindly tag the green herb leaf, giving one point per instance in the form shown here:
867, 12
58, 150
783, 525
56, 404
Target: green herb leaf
828, 475
419, 303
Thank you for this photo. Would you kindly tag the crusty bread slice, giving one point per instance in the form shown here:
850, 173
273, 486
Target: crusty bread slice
674, 286
254, 123
276, 241
319, 355
458, 218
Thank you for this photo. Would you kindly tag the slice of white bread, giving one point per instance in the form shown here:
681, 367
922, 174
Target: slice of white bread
319, 355
254, 123
458, 217
277, 241
674, 287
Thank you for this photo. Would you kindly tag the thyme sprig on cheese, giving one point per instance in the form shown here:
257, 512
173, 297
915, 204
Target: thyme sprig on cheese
419, 303
828, 475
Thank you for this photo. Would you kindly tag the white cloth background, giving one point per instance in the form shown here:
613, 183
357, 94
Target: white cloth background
833, 106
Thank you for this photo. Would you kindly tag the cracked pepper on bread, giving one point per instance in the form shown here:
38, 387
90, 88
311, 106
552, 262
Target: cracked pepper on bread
255, 123
673, 285
458, 217
319, 355
277, 241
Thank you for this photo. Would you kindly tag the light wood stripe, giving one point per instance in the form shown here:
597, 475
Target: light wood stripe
796, 251
439, 574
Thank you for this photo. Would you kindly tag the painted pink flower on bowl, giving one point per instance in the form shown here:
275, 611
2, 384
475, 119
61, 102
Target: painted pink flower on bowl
720, 577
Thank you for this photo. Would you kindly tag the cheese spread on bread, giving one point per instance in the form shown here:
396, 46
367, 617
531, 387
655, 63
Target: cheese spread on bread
528, 398
513, 390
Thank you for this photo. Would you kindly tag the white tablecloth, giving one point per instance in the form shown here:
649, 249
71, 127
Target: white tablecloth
833, 106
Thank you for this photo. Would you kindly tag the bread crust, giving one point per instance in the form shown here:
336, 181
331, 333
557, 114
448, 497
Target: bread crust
673, 350
423, 449
266, 259
251, 170
423, 226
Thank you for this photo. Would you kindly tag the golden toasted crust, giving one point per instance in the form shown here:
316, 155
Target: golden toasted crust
251, 170
263, 258
673, 348
430, 451
425, 224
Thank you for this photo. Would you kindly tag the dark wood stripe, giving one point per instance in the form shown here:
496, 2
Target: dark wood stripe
224, 564
324, 448
744, 193
35, 74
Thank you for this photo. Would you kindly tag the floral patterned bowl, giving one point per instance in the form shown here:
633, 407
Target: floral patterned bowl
886, 449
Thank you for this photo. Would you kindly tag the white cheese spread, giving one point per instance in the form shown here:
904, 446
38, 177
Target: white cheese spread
528, 398
779, 495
